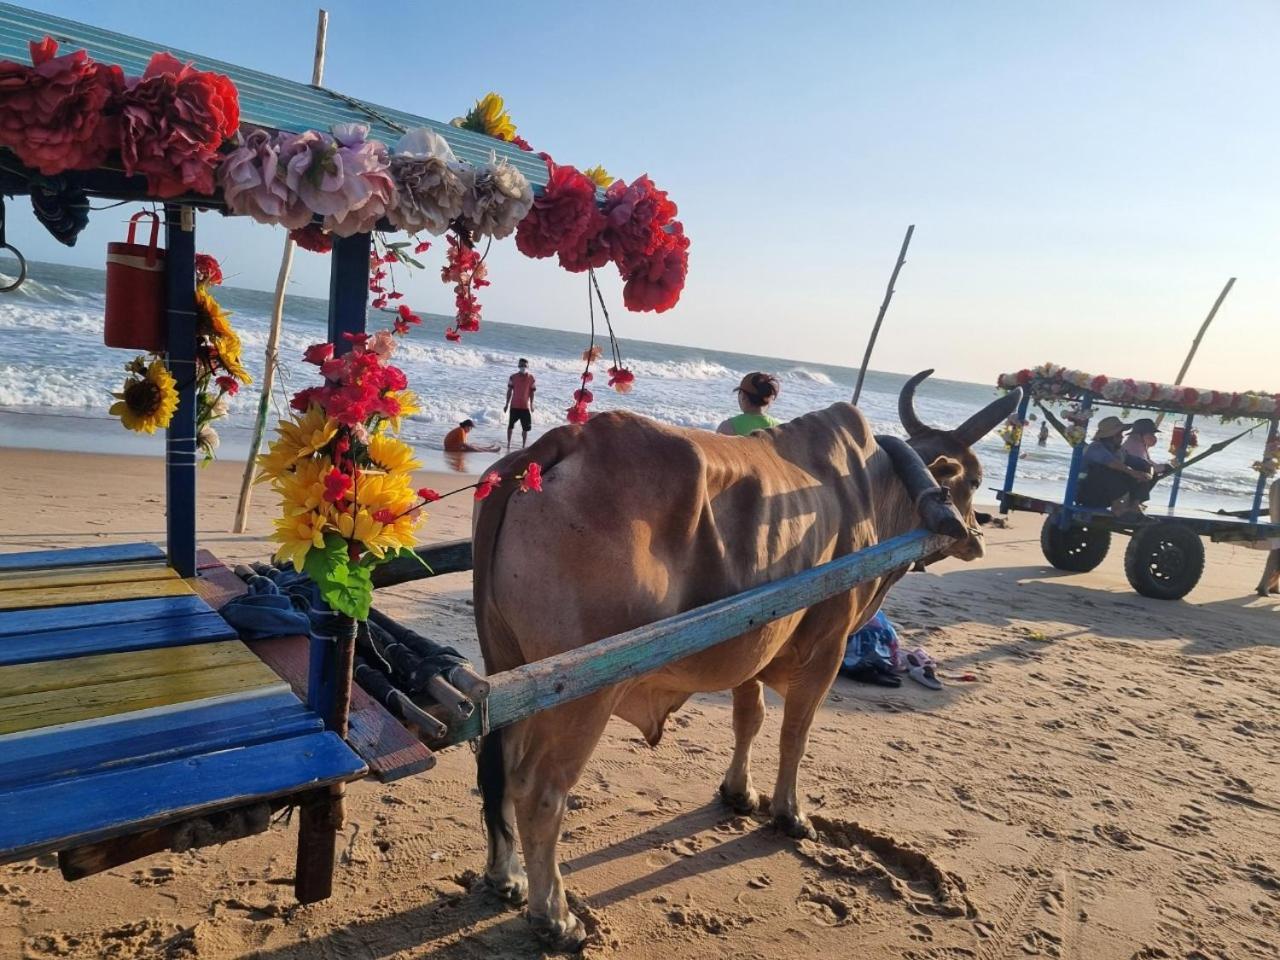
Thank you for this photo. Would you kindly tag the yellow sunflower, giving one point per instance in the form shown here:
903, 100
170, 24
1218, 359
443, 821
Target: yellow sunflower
600, 175
297, 535
228, 347
489, 116
408, 401
211, 319
392, 455
302, 489
148, 399
299, 438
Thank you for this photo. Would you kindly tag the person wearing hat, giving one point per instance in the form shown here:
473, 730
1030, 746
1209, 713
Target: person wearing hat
521, 386
755, 393
1137, 453
1109, 482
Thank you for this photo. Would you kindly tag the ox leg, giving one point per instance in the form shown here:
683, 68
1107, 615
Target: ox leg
806, 691
556, 745
502, 869
748, 716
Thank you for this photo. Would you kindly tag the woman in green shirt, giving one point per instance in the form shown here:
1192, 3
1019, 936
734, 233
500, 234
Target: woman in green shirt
755, 393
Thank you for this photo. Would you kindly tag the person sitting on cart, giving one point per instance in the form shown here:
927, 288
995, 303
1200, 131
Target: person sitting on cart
1137, 453
1109, 482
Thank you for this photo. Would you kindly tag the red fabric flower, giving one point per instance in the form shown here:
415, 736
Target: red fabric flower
636, 216
621, 379
531, 480
395, 295
385, 515
487, 484
452, 335
564, 212
578, 413
655, 281
318, 353
586, 251
312, 237
229, 385
59, 114
208, 270
303, 399
422, 247
173, 120
429, 495
378, 303
336, 485
522, 143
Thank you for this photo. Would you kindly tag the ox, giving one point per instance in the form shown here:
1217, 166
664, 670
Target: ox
640, 521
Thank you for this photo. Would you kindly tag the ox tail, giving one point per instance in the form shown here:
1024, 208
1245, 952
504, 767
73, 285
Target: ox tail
498, 643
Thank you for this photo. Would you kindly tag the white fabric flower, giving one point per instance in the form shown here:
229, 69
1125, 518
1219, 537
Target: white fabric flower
498, 199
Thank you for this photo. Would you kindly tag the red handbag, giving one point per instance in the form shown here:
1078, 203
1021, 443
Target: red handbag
135, 316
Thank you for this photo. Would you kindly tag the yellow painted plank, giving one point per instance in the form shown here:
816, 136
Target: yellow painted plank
91, 593
49, 708
26, 678
82, 576
88, 567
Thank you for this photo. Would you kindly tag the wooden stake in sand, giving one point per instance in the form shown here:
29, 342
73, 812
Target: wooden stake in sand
277, 320
888, 295
1195, 344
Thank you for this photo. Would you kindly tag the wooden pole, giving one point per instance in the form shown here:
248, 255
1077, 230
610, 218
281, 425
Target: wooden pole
1195, 344
888, 295
277, 321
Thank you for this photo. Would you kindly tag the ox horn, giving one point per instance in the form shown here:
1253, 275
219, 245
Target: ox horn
986, 419
907, 405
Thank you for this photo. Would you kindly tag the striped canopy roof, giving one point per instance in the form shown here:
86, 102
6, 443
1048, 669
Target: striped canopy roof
265, 101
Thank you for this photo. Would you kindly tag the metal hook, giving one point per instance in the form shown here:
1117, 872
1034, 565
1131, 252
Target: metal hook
22, 261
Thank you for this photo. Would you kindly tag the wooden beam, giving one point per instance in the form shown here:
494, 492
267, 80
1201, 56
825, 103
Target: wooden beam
453, 556
521, 692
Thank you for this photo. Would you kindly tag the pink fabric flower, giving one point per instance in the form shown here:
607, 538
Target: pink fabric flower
487, 484
253, 185
531, 479
173, 120
343, 178
59, 114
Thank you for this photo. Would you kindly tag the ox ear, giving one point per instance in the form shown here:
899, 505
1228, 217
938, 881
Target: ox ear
986, 419
945, 469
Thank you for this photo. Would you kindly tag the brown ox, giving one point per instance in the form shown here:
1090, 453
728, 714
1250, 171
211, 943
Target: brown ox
641, 521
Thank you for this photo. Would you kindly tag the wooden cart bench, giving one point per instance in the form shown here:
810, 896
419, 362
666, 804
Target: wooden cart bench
133, 720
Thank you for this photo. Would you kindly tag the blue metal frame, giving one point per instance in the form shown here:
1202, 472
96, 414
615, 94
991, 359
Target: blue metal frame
180, 447
1073, 477
1014, 452
1179, 457
1262, 479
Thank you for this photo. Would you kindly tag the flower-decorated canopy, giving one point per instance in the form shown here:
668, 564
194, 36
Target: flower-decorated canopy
1050, 381
265, 101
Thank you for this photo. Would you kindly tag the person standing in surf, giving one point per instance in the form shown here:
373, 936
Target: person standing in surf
521, 386
755, 393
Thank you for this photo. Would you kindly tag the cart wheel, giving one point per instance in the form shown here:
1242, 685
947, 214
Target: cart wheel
1164, 561
1078, 548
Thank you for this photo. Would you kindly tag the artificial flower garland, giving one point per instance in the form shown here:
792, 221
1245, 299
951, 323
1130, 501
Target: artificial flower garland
149, 397
1053, 382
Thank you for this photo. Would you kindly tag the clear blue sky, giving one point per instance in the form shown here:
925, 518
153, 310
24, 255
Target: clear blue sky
1083, 176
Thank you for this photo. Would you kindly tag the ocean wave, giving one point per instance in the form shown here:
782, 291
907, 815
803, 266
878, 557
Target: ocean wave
812, 376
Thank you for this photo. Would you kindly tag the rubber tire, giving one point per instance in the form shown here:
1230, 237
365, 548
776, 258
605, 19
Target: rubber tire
1164, 561
1077, 549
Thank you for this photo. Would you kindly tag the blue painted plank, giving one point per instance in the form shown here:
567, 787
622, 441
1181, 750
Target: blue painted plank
80, 556
526, 690
149, 736
16, 622
69, 813
116, 638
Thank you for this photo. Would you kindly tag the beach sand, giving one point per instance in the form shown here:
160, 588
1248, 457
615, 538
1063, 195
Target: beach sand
1106, 788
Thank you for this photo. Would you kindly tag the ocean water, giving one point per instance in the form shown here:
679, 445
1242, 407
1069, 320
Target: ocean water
56, 379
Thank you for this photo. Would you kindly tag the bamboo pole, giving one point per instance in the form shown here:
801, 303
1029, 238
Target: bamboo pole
884, 306
1195, 344
277, 320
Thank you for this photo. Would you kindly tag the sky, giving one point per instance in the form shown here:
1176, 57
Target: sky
1083, 177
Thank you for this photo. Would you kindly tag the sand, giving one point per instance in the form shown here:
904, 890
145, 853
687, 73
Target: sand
1107, 787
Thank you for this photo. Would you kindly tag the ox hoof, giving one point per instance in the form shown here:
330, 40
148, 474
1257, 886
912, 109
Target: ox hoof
560, 936
512, 890
742, 802
795, 825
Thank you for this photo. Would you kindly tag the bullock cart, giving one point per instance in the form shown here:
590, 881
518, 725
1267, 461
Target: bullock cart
133, 718
1164, 558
